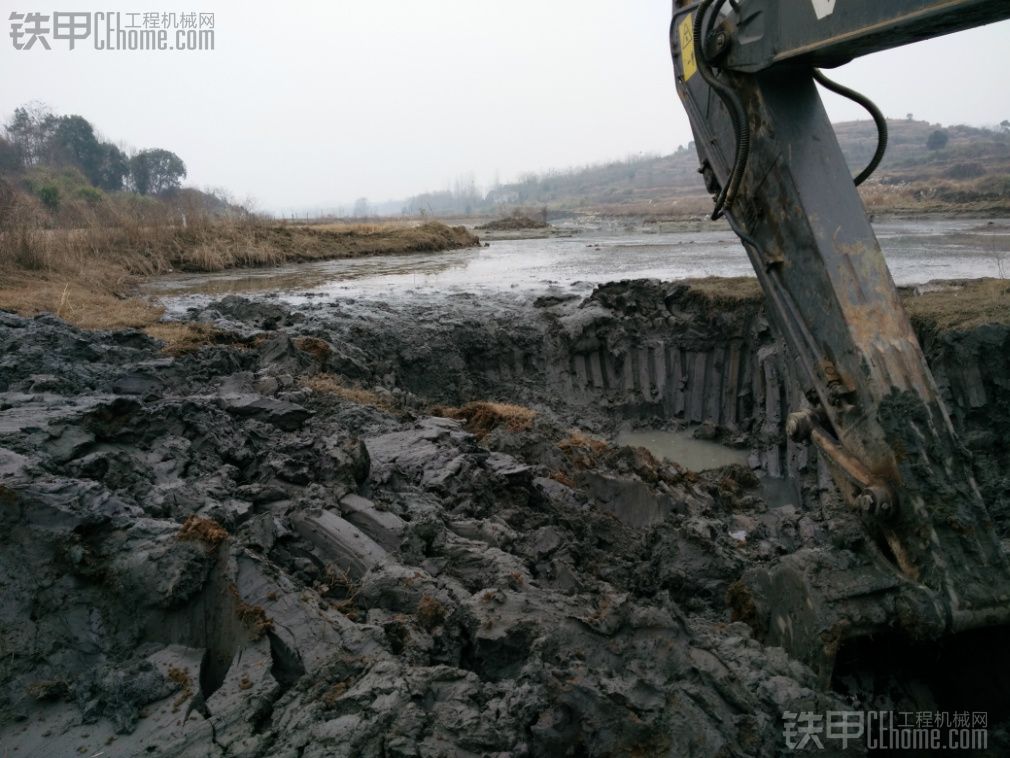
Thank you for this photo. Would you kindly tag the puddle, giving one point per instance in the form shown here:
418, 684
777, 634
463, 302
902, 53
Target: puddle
682, 448
702, 455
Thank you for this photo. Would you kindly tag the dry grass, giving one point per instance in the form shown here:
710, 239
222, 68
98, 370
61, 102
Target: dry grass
214, 245
332, 695
92, 307
217, 247
562, 478
913, 195
182, 678
199, 529
83, 265
430, 612
48, 689
728, 290
185, 337
578, 440
959, 305
254, 617
85, 277
343, 227
962, 306
986, 195
339, 581
331, 384
317, 348
80, 301
582, 450
685, 207
62, 271
145, 246
482, 417
516, 222
741, 604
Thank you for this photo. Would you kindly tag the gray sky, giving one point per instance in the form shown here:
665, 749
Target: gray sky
312, 104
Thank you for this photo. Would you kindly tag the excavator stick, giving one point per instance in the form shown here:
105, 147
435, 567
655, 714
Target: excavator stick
928, 563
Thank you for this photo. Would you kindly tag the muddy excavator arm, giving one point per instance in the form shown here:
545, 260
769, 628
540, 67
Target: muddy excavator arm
930, 564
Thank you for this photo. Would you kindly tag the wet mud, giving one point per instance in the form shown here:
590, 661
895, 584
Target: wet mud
331, 533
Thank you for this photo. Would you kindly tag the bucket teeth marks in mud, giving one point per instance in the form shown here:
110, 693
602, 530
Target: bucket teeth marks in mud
385, 528
338, 542
363, 580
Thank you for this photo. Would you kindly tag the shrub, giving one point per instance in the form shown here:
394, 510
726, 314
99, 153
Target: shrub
937, 140
49, 194
90, 195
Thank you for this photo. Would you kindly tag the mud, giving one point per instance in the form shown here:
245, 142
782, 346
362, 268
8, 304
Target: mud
211, 553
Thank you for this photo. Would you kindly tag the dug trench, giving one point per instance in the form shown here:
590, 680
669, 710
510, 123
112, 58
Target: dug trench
358, 528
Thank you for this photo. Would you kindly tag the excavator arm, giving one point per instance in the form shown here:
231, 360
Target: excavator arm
931, 563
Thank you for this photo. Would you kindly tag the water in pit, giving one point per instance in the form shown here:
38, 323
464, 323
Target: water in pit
702, 455
681, 447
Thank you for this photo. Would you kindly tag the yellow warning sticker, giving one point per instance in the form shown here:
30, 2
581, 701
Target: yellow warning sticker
689, 63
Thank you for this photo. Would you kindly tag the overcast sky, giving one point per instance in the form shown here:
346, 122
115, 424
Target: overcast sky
313, 104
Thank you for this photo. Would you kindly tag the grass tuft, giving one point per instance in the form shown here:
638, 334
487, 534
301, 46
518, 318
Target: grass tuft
184, 337
331, 384
430, 612
482, 417
582, 450
199, 529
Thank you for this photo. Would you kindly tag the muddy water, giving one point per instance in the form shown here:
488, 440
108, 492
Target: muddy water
917, 251
702, 455
681, 447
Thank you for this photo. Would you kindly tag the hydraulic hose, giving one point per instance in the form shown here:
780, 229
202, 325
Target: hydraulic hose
738, 114
874, 111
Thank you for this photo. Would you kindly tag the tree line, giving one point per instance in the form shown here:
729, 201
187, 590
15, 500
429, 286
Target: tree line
35, 137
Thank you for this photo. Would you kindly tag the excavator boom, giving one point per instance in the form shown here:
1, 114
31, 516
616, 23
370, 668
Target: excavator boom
931, 564
827, 33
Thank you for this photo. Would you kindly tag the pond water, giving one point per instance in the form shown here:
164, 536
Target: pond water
916, 250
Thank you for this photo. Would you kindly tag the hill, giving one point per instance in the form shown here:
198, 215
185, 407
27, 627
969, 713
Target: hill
965, 169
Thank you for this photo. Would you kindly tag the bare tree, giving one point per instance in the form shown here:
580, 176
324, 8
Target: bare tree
30, 131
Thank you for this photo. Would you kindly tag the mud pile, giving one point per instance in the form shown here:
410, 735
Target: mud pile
299, 541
